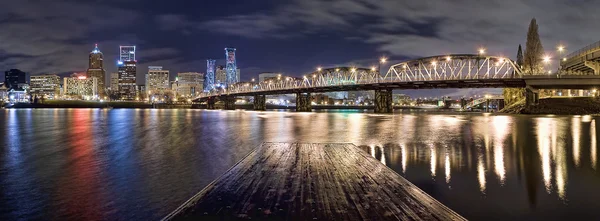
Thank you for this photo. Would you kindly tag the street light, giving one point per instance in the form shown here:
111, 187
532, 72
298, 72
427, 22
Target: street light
319, 69
382, 60
546, 59
481, 51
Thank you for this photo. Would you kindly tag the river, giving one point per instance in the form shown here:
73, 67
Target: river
128, 164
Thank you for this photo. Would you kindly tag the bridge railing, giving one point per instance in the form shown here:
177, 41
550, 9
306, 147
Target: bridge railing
454, 67
584, 50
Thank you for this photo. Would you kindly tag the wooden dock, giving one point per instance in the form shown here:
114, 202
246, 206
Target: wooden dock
307, 181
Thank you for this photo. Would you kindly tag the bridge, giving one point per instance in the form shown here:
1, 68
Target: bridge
443, 71
585, 61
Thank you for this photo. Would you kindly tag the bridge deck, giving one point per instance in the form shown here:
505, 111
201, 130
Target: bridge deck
295, 181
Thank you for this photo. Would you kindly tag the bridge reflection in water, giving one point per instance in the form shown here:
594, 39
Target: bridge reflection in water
494, 154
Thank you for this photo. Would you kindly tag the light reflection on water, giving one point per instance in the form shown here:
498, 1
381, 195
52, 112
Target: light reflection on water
141, 164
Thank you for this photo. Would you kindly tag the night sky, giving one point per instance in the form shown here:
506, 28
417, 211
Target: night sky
293, 37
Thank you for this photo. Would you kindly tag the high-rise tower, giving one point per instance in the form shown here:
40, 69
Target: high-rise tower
127, 68
96, 69
126, 53
230, 66
209, 78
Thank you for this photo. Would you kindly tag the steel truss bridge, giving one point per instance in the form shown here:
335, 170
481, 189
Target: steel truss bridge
443, 71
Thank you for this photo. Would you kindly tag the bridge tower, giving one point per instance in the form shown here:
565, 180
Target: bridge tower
209, 78
230, 67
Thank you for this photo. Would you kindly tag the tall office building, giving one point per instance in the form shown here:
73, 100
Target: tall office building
96, 69
47, 85
127, 68
157, 80
16, 79
209, 78
189, 84
126, 53
127, 76
230, 66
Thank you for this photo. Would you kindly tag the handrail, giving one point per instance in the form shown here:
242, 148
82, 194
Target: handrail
583, 50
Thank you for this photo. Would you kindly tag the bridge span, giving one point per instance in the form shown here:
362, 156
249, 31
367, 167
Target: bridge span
444, 71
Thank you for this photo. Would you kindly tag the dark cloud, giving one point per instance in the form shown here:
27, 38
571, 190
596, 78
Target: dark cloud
292, 36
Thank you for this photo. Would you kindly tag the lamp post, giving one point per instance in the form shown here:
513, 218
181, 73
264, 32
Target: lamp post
382, 60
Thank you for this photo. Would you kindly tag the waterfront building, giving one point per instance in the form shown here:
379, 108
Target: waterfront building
79, 86
265, 76
16, 79
3, 92
189, 84
114, 82
47, 85
157, 80
127, 80
230, 66
96, 69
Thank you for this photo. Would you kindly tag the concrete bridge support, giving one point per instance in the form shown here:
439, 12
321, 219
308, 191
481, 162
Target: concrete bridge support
303, 102
532, 98
593, 65
383, 101
229, 102
260, 103
210, 104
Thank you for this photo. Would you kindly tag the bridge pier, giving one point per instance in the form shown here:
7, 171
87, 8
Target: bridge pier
303, 102
229, 103
532, 98
210, 103
593, 65
383, 101
260, 103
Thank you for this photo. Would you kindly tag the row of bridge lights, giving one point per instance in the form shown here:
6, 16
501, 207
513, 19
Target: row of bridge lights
481, 51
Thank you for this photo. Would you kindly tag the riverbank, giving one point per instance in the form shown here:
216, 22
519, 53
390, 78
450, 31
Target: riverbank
558, 106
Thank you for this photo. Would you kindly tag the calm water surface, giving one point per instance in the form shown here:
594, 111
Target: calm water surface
91, 164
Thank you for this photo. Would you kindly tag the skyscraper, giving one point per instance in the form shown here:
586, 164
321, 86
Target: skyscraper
127, 76
209, 78
127, 72
230, 66
157, 80
96, 69
126, 53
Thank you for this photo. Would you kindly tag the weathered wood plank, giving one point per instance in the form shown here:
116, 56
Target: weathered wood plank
304, 181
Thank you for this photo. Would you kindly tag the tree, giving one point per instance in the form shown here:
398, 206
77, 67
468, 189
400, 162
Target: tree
520, 57
533, 50
512, 95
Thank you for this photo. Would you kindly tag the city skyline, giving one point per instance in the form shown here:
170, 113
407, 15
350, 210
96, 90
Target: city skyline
290, 37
